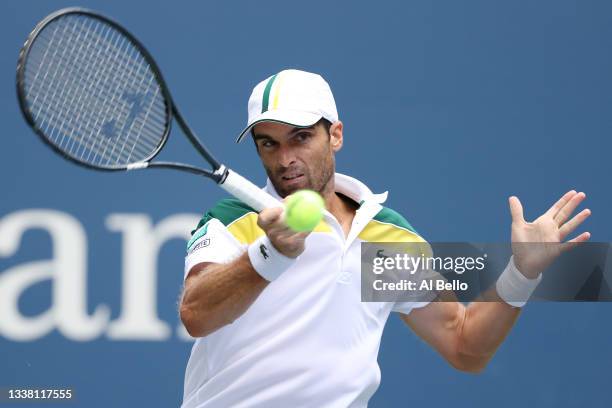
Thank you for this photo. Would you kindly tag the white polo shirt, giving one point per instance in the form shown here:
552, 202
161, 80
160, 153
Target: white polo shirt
307, 340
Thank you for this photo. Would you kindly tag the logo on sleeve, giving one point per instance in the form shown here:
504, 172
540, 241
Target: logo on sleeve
197, 235
205, 242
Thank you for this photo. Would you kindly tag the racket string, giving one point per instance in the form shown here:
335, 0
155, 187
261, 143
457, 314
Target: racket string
94, 95
128, 66
62, 125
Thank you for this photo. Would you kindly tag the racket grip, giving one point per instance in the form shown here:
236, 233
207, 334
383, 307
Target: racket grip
248, 192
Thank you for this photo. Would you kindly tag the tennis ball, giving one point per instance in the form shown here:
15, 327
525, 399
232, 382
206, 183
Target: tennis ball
304, 210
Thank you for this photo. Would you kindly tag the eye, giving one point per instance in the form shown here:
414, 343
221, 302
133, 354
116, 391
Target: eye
267, 144
302, 136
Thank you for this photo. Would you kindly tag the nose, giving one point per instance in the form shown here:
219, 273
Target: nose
286, 156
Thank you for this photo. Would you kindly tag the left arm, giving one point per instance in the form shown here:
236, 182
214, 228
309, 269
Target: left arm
467, 337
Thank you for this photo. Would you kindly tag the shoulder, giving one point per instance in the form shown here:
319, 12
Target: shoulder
392, 217
237, 217
389, 226
226, 211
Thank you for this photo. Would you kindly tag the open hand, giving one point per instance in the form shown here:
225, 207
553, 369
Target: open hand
551, 227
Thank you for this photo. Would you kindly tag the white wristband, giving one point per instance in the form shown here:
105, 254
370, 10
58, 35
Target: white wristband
266, 260
513, 287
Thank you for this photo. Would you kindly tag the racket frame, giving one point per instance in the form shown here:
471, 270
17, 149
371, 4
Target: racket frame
218, 173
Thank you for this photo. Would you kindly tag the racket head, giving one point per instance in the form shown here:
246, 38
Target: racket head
92, 92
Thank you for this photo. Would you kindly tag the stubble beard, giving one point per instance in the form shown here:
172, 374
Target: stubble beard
320, 184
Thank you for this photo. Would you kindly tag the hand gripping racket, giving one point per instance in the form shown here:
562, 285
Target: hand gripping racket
94, 94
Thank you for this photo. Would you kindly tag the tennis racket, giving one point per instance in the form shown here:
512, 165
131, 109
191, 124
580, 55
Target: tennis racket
94, 94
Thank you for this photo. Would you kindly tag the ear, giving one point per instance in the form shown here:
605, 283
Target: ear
335, 136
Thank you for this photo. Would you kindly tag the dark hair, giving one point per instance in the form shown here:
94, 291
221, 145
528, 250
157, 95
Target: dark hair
326, 123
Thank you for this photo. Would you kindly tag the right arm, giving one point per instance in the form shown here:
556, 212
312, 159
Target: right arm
217, 294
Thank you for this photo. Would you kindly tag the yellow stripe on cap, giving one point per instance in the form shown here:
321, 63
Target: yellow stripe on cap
277, 86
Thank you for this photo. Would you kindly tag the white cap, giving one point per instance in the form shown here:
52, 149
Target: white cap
293, 97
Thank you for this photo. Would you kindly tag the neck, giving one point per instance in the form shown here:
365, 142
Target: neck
333, 202
340, 206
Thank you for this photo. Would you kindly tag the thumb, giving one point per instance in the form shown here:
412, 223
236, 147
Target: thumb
268, 216
516, 209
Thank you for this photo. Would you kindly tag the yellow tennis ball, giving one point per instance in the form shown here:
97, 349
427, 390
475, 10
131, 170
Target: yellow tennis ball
304, 210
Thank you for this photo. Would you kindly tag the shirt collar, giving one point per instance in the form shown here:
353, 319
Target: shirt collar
349, 186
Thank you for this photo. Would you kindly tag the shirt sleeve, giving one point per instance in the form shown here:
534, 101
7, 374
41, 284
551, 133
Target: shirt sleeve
406, 307
212, 242
421, 299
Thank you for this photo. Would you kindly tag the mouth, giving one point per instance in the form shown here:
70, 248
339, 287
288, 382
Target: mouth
292, 177
293, 181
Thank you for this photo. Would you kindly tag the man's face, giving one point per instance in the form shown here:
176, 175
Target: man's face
297, 158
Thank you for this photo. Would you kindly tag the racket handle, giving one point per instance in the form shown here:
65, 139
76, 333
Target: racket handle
248, 192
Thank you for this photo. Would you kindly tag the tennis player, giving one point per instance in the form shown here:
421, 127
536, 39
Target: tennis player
277, 314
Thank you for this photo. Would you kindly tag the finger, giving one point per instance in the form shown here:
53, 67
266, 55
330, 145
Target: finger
569, 208
284, 232
302, 235
268, 217
571, 225
585, 236
552, 211
516, 209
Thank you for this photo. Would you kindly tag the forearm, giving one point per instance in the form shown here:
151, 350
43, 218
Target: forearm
485, 325
489, 320
219, 295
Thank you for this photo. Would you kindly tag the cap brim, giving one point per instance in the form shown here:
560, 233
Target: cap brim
287, 117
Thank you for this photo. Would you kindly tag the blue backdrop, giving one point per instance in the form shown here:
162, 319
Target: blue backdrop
451, 106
